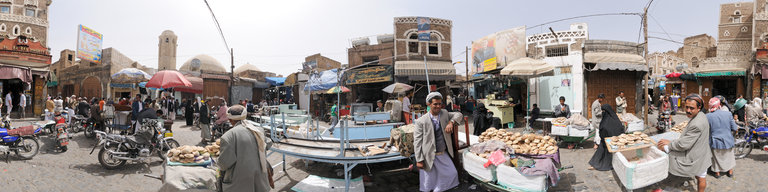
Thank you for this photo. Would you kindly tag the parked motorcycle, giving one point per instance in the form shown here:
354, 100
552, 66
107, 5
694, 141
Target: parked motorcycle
150, 139
754, 133
77, 123
62, 137
219, 130
664, 121
20, 140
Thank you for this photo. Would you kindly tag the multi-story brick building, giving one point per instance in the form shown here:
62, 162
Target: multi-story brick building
88, 79
24, 52
697, 48
371, 68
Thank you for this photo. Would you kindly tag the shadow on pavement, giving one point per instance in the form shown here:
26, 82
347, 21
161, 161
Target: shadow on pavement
129, 168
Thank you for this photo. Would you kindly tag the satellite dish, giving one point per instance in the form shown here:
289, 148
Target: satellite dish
195, 65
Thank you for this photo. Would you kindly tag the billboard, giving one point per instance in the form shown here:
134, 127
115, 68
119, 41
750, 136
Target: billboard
374, 74
422, 24
497, 49
88, 44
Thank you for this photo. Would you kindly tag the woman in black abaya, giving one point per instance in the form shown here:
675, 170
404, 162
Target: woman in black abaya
610, 126
188, 112
480, 122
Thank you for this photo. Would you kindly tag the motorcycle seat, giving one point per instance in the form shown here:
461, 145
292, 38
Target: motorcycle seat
22, 131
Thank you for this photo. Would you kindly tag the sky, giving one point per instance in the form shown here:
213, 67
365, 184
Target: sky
276, 35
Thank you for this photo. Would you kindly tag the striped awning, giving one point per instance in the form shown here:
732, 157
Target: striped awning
414, 70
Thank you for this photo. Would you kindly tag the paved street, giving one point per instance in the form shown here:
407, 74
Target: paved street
76, 170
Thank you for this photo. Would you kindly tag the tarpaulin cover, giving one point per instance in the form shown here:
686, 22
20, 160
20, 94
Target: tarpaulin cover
322, 81
275, 80
15, 73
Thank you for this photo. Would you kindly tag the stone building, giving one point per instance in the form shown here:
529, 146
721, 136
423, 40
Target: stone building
410, 54
93, 80
321, 63
24, 53
563, 49
604, 61
166, 51
371, 68
664, 63
213, 79
697, 48
760, 46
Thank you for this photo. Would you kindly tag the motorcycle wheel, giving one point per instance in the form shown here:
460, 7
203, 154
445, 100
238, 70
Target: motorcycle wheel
63, 149
89, 132
106, 160
742, 148
28, 148
169, 144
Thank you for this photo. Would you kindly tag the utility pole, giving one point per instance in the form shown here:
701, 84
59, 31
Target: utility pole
231, 73
645, 56
466, 68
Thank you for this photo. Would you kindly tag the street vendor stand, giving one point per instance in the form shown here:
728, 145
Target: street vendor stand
639, 165
527, 68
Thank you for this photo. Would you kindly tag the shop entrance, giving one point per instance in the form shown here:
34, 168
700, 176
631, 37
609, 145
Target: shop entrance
14, 87
725, 87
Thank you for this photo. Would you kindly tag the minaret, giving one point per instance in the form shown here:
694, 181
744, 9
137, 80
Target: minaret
166, 51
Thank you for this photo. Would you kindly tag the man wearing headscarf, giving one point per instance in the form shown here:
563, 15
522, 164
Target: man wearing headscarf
610, 126
754, 111
481, 121
243, 158
690, 155
721, 140
433, 144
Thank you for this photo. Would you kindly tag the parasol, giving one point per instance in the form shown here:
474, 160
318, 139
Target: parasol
337, 88
168, 79
397, 88
130, 75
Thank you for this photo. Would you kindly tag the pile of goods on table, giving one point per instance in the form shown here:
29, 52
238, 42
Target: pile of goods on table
628, 140
631, 122
679, 127
531, 144
560, 121
214, 149
189, 154
514, 161
191, 168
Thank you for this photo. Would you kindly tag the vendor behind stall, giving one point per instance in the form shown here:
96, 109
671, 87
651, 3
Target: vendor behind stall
562, 110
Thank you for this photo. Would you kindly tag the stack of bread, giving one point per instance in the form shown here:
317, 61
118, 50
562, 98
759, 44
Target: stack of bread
626, 140
189, 154
531, 144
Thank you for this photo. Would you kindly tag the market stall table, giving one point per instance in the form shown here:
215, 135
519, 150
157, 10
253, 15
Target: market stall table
546, 124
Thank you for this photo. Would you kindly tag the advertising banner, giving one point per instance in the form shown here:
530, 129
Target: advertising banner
495, 50
88, 44
373, 74
423, 28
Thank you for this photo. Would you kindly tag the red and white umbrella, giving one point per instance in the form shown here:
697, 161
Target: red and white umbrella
168, 79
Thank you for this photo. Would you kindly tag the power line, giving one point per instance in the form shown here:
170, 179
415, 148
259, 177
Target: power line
218, 26
659, 24
583, 16
694, 45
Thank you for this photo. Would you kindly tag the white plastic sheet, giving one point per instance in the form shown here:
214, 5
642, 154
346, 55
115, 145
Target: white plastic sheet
314, 183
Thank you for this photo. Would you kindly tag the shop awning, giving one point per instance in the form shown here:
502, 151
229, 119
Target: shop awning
256, 83
721, 74
372, 74
275, 81
196, 88
53, 81
321, 81
414, 70
10, 72
616, 61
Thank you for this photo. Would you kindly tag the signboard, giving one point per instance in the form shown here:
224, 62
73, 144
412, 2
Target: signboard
497, 49
309, 65
423, 28
88, 44
374, 74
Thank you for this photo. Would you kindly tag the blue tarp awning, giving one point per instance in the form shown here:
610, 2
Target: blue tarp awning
275, 80
322, 81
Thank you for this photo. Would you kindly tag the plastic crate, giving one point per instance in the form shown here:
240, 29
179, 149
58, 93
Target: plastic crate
634, 175
510, 178
560, 130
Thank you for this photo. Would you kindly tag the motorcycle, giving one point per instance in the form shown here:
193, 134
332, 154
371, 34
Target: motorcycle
90, 127
754, 133
21, 140
62, 137
151, 138
78, 123
219, 130
664, 122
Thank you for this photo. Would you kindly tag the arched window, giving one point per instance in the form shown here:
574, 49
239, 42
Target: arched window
695, 62
28, 30
2, 27
166, 40
16, 30
413, 44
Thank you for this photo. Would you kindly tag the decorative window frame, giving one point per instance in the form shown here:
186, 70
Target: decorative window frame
744, 29
32, 8
28, 31
3, 27
16, 31
727, 33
